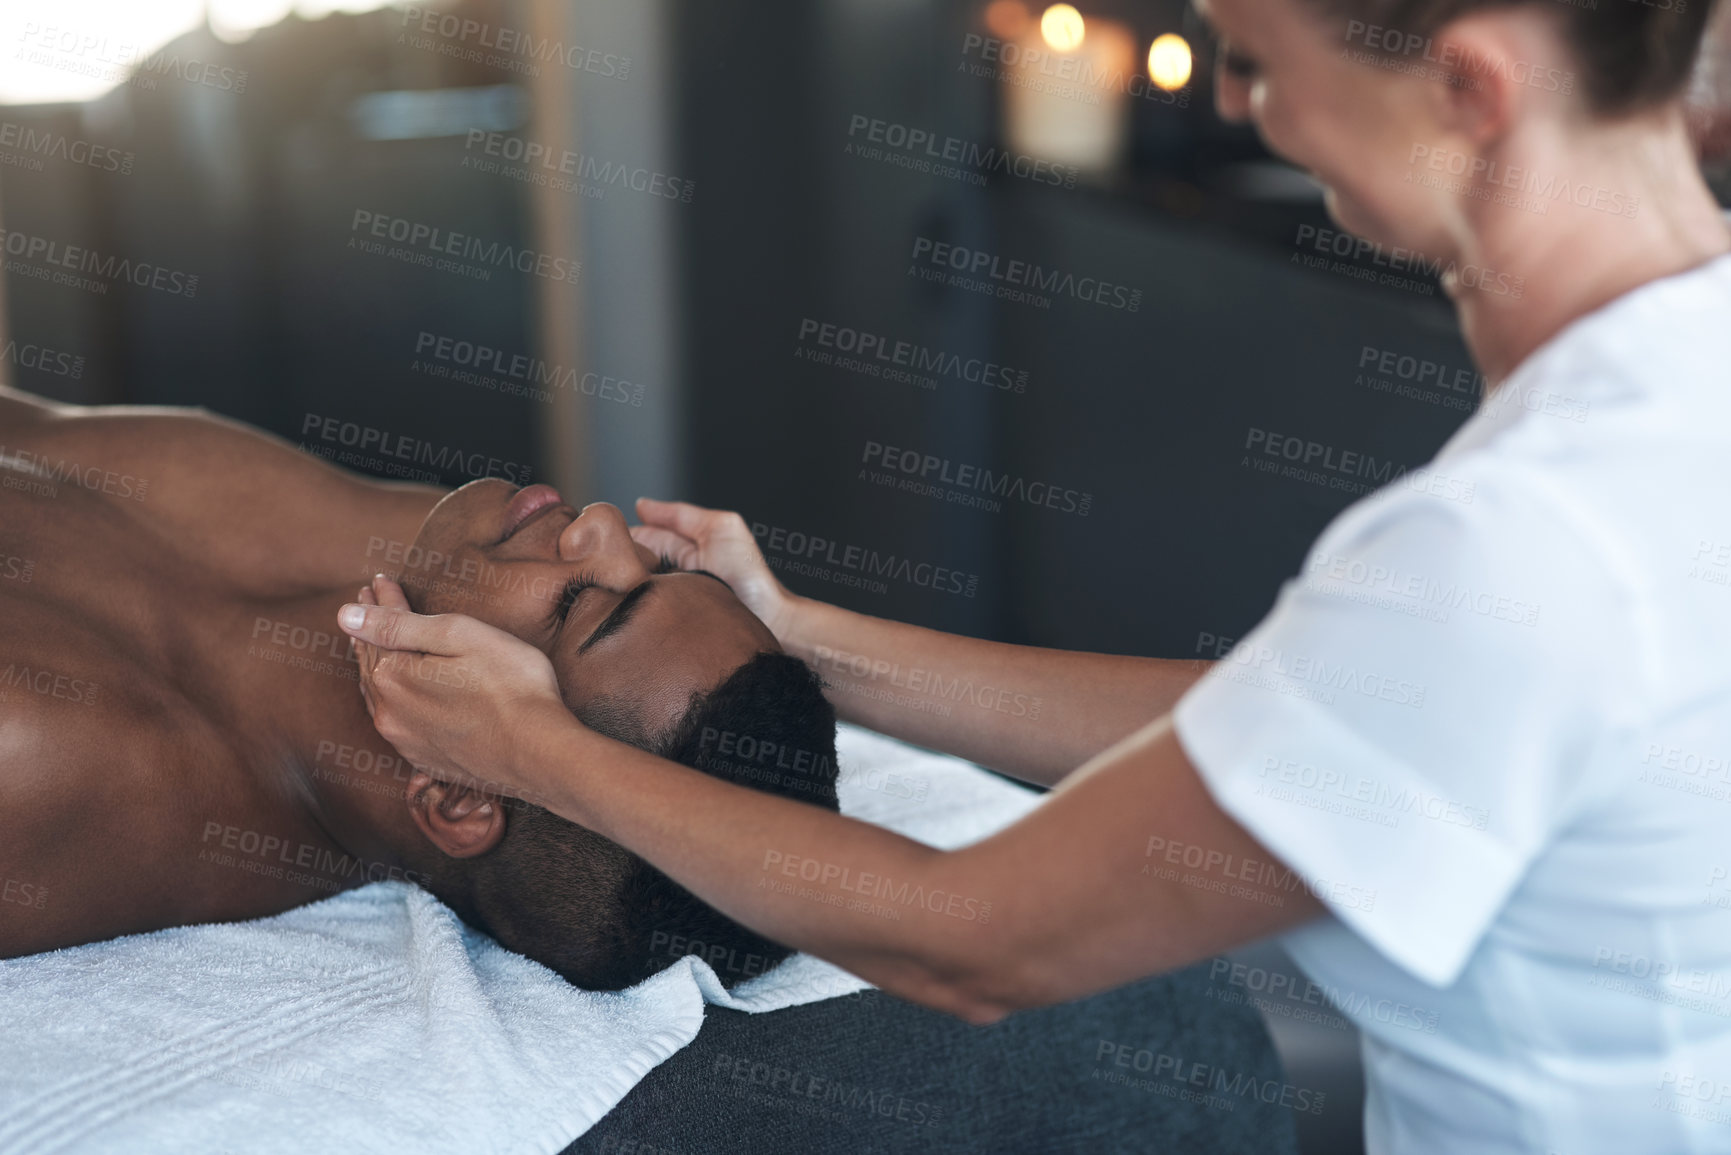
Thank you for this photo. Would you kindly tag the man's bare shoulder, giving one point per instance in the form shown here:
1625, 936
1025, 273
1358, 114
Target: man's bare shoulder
250, 505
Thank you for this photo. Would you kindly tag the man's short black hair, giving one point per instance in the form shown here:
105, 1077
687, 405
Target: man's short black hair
606, 919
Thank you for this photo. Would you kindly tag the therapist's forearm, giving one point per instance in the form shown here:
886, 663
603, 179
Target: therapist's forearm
1033, 713
792, 871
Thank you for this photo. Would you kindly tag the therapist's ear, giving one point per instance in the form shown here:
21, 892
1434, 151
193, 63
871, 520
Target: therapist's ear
460, 820
1482, 54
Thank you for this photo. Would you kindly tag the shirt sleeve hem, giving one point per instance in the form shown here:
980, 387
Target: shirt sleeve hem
1438, 885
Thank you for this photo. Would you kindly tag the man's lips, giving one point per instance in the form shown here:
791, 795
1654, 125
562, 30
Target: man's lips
526, 504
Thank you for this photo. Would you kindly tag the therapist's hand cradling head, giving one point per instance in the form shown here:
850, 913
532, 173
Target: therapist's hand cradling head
543, 608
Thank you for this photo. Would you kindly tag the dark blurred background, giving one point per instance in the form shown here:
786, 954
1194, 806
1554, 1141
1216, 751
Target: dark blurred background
369, 226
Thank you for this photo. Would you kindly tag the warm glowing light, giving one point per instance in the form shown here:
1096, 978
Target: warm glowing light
67, 50
1169, 61
238, 19
1062, 27
1008, 19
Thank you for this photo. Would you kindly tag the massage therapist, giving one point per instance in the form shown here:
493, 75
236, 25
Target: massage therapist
1519, 821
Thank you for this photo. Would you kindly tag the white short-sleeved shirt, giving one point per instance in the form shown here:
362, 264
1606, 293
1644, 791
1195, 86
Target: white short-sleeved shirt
1490, 726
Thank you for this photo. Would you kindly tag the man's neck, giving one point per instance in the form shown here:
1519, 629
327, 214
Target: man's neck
294, 692
1538, 273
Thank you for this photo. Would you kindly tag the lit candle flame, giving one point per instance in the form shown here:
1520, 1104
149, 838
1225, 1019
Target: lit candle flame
1169, 61
1062, 28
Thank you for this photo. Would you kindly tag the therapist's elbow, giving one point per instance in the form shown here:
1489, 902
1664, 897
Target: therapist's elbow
982, 978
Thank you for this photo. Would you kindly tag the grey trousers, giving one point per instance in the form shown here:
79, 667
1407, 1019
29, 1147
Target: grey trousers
1154, 1067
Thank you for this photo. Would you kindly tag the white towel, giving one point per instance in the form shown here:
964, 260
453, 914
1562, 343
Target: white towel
377, 1021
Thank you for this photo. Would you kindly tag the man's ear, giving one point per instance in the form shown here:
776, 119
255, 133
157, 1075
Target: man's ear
460, 820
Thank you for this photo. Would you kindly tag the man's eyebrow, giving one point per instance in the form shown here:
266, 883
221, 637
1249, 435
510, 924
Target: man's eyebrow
621, 615
619, 618
668, 565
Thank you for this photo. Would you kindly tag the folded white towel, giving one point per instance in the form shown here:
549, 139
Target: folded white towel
377, 1021
938, 800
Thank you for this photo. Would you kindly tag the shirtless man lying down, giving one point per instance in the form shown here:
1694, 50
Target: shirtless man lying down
182, 736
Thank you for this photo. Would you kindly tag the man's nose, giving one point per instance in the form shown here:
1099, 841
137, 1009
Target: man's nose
599, 538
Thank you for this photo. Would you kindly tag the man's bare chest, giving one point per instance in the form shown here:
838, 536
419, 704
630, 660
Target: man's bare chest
130, 795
